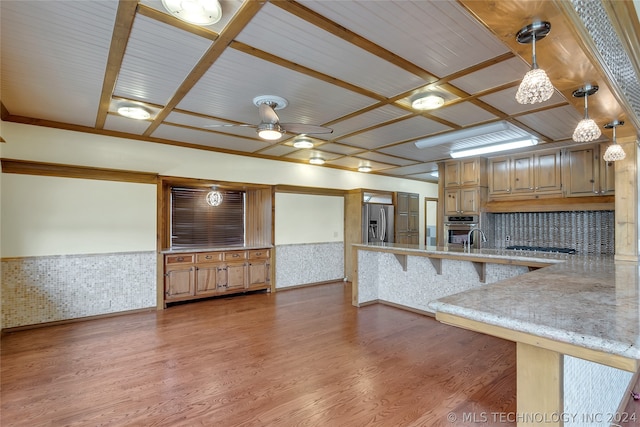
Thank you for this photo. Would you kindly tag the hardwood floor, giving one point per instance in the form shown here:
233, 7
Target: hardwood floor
303, 357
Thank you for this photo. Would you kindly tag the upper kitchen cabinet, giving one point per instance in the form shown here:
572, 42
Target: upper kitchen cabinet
586, 174
466, 172
526, 175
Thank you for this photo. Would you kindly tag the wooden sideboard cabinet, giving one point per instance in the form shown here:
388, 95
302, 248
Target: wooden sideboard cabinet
204, 274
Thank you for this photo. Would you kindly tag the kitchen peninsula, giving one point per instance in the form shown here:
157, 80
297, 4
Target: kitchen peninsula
576, 322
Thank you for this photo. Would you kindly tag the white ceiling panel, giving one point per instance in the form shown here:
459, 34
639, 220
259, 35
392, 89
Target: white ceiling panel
505, 101
119, 123
340, 149
355, 163
228, 88
383, 158
493, 76
439, 36
405, 129
409, 150
278, 150
210, 125
307, 154
208, 139
413, 169
464, 114
298, 41
555, 123
368, 119
58, 54
153, 47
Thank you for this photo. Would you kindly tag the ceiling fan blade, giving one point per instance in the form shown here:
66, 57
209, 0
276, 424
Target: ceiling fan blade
268, 114
228, 125
304, 128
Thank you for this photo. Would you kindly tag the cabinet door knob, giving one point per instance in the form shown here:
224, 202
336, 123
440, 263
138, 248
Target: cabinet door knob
208, 257
180, 259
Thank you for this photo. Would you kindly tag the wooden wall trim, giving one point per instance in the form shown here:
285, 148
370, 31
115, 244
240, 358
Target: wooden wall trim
27, 167
590, 203
317, 191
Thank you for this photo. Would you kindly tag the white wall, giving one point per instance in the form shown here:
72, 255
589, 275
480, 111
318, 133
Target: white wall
303, 218
60, 216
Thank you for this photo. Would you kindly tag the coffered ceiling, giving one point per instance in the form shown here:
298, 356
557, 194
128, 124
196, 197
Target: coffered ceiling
348, 65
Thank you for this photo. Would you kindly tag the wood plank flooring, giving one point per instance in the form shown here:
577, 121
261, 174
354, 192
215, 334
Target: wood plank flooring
303, 357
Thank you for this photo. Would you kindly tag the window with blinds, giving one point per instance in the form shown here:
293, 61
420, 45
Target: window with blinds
197, 224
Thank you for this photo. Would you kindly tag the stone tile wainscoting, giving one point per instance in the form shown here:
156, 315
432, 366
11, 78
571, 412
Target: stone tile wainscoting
588, 232
300, 264
52, 288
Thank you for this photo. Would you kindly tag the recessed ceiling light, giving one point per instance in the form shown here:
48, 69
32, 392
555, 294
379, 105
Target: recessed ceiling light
434, 174
426, 101
199, 12
303, 142
317, 160
364, 168
134, 112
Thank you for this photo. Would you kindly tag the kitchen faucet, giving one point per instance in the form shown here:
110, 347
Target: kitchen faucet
483, 238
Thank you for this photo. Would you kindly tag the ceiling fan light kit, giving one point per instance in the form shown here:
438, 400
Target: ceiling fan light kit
269, 131
535, 86
364, 168
614, 151
426, 101
587, 130
198, 12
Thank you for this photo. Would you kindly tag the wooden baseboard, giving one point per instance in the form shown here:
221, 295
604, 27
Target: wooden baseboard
306, 285
77, 319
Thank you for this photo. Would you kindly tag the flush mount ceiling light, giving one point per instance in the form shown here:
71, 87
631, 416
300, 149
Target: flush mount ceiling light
134, 112
587, 129
214, 198
269, 131
426, 101
199, 12
303, 142
365, 168
614, 151
535, 86
434, 174
316, 160
510, 145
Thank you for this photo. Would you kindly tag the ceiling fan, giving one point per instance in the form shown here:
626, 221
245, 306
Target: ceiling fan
270, 127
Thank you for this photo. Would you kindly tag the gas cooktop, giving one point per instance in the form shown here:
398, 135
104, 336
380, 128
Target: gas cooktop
543, 249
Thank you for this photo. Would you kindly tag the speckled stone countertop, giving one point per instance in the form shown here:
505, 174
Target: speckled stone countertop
587, 301
216, 249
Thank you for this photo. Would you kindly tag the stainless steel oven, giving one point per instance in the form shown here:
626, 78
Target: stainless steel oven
456, 229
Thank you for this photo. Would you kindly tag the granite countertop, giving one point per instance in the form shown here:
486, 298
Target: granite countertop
487, 253
593, 304
587, 301
213, 249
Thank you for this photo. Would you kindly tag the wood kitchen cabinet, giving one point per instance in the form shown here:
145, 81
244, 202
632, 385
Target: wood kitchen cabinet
586, 173
462, 201
407, 218
458, 173
179, 277
204, 274
526, 175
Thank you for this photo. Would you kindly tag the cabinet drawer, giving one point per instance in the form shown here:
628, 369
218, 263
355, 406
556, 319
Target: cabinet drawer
179, 259
234, 256
209, 257
259, 254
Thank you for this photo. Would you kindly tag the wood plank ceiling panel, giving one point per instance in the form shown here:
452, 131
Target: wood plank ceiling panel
152, 47
221, 142
228, 87
509, 71
58, 54
438, 36
297, 40
367, 119
464, 114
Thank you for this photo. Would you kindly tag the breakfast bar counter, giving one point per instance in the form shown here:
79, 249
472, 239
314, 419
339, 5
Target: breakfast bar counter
575, 322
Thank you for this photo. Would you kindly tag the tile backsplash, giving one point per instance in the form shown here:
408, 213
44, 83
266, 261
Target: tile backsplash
588, 232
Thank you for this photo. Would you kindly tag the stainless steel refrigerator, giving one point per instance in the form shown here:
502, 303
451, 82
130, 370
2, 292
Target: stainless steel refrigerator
377, 223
